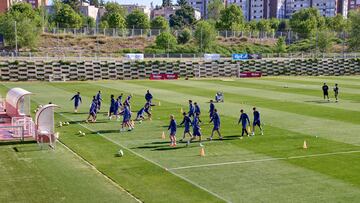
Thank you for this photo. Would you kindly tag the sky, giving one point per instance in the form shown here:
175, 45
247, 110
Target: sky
140, 2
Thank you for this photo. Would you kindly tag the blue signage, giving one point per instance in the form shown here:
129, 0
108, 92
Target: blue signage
240, 56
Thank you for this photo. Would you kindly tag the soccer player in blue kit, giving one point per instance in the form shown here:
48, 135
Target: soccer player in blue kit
212, 108
172, 128
99, 99
191, 109
112, 106
126, 119
77, 101
197, 110
244, 119
216, 120
256, 121
186, 122
92, 111
148, 96
196, 129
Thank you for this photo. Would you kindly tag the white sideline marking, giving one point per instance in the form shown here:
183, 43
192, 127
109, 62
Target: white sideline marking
264, 160
94, 168
151, 161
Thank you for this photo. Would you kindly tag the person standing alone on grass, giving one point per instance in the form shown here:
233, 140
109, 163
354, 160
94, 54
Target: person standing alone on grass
216, 120
336, 92
244, 119
172, 128
186, 122
99, 99
148, 96
77, 101
325, 90
256, 121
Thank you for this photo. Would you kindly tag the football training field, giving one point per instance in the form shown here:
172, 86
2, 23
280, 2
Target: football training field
270, 168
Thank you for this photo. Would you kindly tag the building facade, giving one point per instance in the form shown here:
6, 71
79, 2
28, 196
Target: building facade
131, 7
354, 4
6, 4
166, 12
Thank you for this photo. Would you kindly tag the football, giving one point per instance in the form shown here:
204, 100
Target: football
120, 153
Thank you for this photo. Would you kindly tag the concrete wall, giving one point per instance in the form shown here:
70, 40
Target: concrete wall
121, 70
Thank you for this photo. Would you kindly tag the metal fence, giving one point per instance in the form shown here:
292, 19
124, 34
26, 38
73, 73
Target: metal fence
114, 32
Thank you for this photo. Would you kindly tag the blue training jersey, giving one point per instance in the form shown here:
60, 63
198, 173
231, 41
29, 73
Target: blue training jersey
197, 109
186, 121
148, 96
256, 116
76, 98
98, 97
244, 118
172, 126
191, 109
215, 119
212, 107
195, 123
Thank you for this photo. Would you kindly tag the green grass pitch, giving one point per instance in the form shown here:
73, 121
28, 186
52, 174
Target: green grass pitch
269, 168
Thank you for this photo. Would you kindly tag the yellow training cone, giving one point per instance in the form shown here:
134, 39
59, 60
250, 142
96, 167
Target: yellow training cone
159, 103
163, 135
305, 145
202, 151
248, 129
181, 110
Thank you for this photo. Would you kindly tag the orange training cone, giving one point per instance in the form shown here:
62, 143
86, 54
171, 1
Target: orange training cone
202, 151
305, 145
163, 135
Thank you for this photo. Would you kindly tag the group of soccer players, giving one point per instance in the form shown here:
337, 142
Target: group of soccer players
192, 118
117, 109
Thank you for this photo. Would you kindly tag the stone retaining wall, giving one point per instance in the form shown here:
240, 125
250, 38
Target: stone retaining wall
121, 70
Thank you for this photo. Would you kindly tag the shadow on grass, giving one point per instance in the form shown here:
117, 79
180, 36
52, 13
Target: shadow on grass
106, 131
168, 148
320, 101
17, 142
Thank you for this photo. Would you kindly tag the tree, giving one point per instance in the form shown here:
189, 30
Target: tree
75, 4
27, 25
205, 35
354, 41
137, 20
231, 18
94, 3
160, 23
165, 41
182, 2
183, 17
274, 24
167, 3
284, 25
324, 40
112, 7
263, 25
116, 20
306, 22
336, 23
280, 46
88, 21
214, 9
184, 36
66, 17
